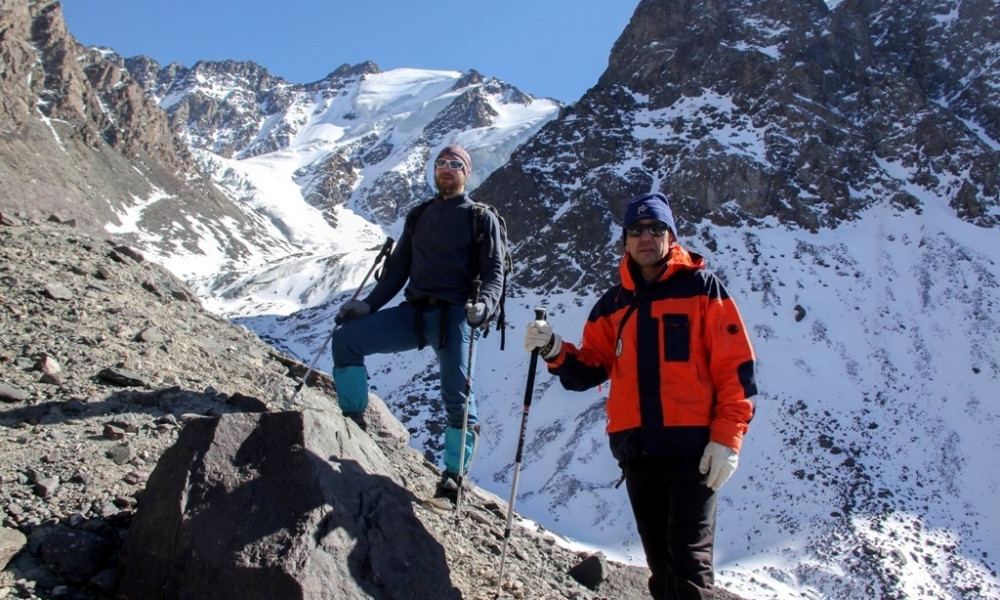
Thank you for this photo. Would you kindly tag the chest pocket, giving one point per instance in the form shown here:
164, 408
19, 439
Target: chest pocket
676, 333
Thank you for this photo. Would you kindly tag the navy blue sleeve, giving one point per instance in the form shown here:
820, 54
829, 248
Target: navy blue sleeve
394, 275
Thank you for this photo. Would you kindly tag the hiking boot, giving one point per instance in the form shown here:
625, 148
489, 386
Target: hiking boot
447, 488
359, 419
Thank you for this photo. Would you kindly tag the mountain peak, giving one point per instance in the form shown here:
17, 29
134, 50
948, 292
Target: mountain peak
345, 70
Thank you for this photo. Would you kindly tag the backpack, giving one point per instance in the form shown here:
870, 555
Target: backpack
479, 210
479, 235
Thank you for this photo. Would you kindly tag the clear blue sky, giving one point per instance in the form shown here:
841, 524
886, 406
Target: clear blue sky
547, 48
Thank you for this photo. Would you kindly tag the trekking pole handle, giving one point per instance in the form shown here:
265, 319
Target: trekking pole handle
383, 253
539, 316
386, 247
474, 299
528, 388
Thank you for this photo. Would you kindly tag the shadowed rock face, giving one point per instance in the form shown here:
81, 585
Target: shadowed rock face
80, 136
271, 506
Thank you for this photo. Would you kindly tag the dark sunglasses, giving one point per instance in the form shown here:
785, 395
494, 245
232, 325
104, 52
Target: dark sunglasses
654, 229
454, 165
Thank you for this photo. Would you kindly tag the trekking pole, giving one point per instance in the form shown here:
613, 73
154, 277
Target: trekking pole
382, 254
465, 414
539, 316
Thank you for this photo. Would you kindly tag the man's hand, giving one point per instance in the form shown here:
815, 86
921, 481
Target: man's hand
539, 336
719, 462
475, 313
355, 309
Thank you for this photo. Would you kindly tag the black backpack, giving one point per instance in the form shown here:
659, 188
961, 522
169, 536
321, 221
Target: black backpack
479, 210
480, 235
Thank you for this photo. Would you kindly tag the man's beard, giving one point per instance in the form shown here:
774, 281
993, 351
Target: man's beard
446, 188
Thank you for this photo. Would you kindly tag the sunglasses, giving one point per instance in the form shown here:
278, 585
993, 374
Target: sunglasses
655, 229
454, 165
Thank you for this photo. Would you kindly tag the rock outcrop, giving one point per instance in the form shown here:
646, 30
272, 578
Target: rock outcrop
295, 504
756, 112
80, 137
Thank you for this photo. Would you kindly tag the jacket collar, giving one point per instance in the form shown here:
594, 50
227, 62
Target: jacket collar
678, 259
453, 201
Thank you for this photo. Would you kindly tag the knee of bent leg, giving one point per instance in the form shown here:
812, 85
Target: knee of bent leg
342, 345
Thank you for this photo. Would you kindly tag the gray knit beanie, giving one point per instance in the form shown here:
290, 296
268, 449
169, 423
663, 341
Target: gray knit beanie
459, 153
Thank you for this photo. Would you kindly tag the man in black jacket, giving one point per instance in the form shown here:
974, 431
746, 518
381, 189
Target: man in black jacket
437, 260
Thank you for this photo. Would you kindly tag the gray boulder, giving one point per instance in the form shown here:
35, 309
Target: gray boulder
279, 505
591, 571
11, 542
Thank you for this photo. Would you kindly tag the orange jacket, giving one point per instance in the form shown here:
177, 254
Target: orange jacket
685, 369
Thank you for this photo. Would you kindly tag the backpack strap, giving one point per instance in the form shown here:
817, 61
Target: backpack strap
481, 211
413, 216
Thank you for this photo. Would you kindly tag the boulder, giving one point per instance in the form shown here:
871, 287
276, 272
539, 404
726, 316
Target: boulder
591, 571
11, 542
75, 555
292, 504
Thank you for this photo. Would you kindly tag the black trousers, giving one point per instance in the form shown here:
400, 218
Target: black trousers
675, 514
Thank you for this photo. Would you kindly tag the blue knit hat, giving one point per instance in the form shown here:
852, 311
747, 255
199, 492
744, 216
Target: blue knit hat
652, 205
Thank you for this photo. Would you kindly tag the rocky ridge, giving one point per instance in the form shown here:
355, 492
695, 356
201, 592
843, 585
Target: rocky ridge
261, 113
81, 138
765, 112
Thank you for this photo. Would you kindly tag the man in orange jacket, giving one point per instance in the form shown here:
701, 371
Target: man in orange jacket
682, 371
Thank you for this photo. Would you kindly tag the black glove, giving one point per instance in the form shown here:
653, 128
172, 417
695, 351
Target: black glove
354, 309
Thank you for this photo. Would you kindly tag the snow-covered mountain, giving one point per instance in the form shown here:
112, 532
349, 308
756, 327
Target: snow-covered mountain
839, 165
331, 166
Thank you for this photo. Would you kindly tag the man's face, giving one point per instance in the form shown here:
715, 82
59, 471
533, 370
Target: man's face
449, 180
647, 248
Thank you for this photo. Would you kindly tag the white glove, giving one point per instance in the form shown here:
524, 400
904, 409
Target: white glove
719, 462
475, 313
354, 309
539, 336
